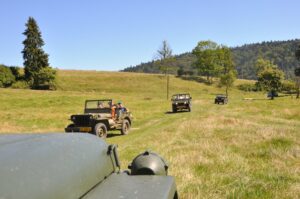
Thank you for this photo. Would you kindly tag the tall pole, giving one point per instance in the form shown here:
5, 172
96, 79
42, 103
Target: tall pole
167, 71
167, 86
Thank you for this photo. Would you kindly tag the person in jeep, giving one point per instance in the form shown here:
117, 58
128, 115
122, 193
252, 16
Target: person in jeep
100, 105
113, 110
120, 109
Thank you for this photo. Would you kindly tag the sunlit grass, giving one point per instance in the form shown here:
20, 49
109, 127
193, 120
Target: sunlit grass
245, 149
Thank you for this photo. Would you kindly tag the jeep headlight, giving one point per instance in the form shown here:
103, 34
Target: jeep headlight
148, 163
176, 103
73, 118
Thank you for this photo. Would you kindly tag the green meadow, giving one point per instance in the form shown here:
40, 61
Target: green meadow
249, 148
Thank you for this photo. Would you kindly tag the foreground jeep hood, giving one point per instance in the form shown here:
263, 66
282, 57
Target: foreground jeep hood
69, 166
129, 187
51, 166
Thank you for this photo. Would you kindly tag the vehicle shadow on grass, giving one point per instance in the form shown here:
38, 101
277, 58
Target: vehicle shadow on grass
170, 112
111, 135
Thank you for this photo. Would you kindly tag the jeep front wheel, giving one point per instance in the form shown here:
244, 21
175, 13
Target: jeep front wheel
69, 128
100, 130
125, 127
174, 109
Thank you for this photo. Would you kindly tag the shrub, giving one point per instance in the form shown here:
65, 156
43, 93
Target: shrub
20, 85
6, 76
16, 72
180, 72
247, 87
288, 86
44, 79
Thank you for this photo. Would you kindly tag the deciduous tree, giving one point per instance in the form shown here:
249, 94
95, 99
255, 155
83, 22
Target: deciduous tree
6, 76
164, 54
165, 57
208, 59
229, 72
269, 76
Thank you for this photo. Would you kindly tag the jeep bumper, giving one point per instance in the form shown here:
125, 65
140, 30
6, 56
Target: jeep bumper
78, 129
181, 106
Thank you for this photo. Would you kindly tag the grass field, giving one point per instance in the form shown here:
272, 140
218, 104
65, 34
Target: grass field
245, 149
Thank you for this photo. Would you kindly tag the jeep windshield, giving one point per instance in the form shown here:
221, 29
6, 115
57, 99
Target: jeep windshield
98, 106
181, 97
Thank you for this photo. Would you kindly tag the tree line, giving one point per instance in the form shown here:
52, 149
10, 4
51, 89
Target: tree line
211, 60
281, 53
37, 73
215, 61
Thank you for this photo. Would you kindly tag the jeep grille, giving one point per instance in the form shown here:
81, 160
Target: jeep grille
81, 120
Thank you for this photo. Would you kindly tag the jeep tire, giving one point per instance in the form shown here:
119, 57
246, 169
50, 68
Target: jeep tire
100, 130
125, 127
174, 109
69, 126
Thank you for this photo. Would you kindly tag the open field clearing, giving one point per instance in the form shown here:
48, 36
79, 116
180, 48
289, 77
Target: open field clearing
245, 149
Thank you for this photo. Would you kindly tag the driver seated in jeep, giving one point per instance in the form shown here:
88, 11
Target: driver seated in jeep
100, 105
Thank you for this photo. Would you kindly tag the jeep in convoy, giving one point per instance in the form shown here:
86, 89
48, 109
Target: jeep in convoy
99, 117
221, 99
181, 102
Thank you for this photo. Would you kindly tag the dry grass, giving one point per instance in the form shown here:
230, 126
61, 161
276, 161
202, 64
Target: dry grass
246, 149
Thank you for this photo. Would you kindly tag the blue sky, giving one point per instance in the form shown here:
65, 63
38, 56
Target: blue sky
114, 34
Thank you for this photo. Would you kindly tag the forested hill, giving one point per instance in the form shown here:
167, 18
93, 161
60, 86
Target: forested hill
282, 53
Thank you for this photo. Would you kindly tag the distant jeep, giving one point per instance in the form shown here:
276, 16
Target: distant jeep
99, 117
181, 102
221, 99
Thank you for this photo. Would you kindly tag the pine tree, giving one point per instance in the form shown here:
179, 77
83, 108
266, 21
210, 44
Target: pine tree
35, 59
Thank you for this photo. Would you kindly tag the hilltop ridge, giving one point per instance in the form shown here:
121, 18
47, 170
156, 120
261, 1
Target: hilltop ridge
282, 53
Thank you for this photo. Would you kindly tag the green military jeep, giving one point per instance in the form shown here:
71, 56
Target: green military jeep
181, 102
220, 98
99, 117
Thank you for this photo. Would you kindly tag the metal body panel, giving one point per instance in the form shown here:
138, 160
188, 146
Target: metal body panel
51, 166
130, 187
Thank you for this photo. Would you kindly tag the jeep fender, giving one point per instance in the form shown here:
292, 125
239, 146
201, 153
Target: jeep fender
127, 118
106, 122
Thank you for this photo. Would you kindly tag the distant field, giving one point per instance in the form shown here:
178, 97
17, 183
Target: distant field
246, 149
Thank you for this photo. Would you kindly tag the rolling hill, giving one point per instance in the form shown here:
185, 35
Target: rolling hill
246, 149
282, 53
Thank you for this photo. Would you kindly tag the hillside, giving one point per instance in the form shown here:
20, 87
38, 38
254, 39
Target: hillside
282, 53
246, 149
